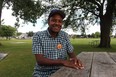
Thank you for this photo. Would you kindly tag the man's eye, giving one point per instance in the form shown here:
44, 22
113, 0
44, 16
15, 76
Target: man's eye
59, 21
54, 20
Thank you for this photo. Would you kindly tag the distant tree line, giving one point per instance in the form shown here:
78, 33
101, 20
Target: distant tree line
9, 32
93, 35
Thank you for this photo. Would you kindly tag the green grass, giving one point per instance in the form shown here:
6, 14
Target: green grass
20, 60
84, 45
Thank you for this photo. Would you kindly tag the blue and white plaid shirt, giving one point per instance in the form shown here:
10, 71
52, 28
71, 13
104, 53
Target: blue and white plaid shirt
44, 43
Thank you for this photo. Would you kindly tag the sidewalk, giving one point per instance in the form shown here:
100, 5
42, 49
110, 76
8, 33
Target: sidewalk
2, 55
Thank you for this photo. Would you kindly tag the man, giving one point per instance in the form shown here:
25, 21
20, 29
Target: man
52, 46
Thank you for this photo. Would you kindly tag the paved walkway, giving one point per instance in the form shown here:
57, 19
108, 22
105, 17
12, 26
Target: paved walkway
2, 55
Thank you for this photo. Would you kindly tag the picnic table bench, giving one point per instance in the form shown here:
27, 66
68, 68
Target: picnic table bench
97, 64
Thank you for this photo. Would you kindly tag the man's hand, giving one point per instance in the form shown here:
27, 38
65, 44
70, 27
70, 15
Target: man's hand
77, 62
69, 63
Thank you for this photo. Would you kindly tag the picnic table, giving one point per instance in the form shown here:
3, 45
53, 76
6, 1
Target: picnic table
97, 64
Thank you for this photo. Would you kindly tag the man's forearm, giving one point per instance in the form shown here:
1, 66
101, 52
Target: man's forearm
49, 62
45, 61
72, 55
41, 60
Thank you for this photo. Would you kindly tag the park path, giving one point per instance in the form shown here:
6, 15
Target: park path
3, 55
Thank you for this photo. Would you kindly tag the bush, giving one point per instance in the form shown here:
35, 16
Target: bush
0, 44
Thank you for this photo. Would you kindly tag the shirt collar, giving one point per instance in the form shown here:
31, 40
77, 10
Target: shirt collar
59, 34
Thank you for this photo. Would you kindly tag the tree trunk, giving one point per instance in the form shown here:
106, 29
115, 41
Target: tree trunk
105, 25
1, 6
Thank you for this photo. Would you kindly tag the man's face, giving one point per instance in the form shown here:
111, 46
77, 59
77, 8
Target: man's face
55, 23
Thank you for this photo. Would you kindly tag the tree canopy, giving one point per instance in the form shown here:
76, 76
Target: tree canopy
30, 33
28, 10
7, 31
86, 12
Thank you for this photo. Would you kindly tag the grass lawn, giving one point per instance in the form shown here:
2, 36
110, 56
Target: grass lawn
20, 61
84, 45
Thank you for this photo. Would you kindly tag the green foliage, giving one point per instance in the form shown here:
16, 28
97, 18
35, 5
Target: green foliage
7, 31
0, 44
18, 34
28, 10
96, 35
81, 13
30, 33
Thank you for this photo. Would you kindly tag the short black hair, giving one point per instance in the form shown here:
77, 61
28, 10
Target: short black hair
56, 11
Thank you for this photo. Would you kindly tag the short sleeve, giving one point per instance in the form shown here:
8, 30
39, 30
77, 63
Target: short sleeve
69, 45
36, 44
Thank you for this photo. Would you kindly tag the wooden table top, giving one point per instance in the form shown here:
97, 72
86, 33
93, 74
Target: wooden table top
97, 64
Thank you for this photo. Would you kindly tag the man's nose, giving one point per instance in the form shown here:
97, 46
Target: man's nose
57, 22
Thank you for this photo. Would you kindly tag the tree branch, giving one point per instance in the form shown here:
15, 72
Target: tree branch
93, 13
90, 11
93, 2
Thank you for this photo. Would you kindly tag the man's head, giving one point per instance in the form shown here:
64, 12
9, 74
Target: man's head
56, 11
55, 20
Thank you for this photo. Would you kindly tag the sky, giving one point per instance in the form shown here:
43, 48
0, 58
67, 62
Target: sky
10, 20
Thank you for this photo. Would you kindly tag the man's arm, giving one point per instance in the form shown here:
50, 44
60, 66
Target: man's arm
72, 55
76, 61
41, 60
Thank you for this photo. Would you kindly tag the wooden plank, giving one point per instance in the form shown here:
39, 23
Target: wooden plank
103, 65
86, 58
113, 56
